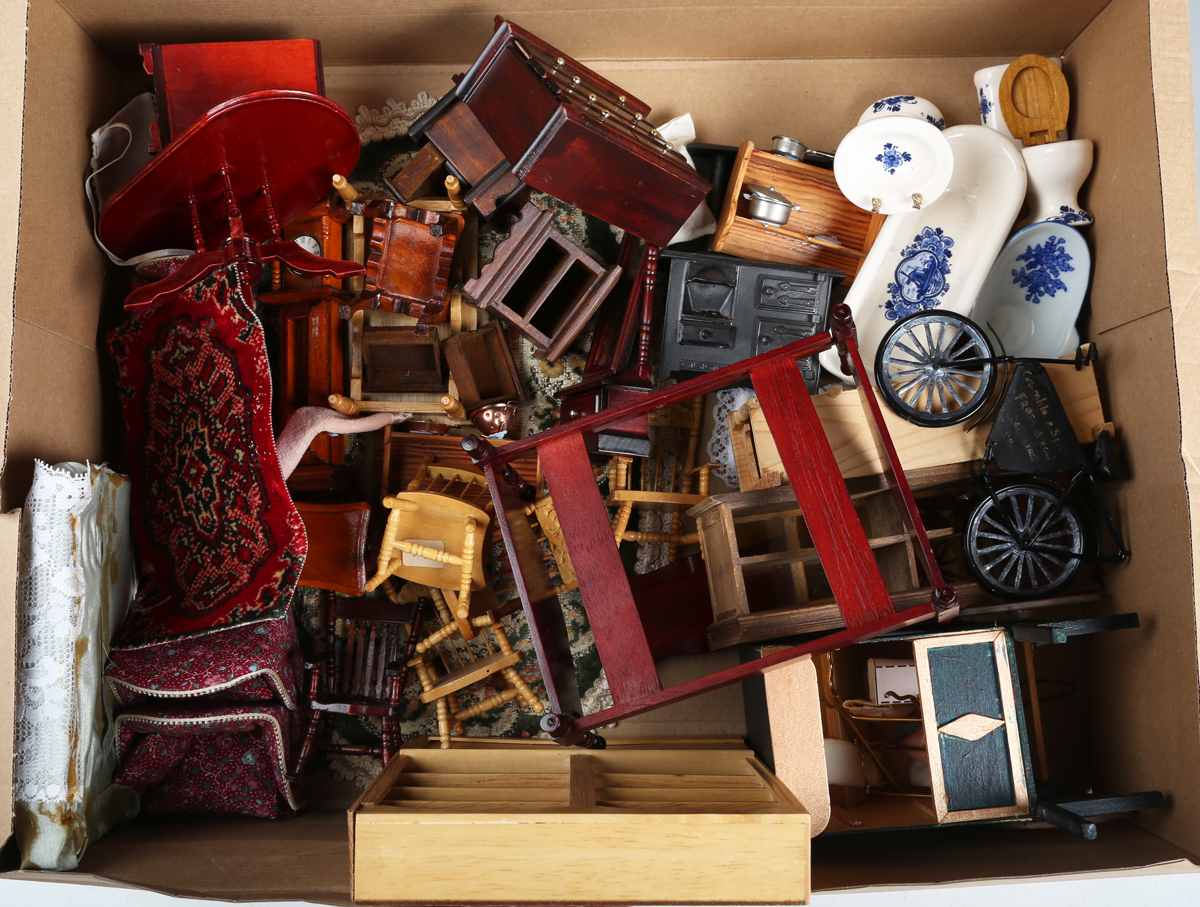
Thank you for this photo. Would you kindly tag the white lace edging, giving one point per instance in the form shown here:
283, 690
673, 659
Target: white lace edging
720, 445
393, 121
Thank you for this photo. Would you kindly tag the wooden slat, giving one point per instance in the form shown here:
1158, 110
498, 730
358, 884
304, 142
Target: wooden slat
812, 556
506, 780
607, 598
543, 614
756, 796
404, 795
631, 779
829, 514
583, 780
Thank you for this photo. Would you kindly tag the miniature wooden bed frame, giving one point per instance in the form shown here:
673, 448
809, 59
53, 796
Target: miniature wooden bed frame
838, 536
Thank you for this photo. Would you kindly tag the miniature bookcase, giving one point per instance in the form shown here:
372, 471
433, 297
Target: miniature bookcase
596, 826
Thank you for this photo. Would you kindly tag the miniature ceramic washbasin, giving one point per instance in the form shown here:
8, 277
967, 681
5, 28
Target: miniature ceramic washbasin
938, 257
1033, 295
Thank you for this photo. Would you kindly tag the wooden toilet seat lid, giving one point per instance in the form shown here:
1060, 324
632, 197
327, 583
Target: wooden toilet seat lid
1034, 100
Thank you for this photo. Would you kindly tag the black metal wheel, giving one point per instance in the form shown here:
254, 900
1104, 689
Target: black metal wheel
935, 368
1025, 541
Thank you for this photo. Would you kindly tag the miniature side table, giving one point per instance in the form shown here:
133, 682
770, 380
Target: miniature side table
541, 283
721, 310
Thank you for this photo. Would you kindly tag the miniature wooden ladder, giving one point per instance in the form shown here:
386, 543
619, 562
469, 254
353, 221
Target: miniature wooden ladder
837, 534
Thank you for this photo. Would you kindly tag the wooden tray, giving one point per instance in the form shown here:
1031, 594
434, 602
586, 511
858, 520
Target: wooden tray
626, 825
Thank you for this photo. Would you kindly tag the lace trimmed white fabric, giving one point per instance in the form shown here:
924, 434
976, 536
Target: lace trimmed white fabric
393, 121
75, 583
720, 445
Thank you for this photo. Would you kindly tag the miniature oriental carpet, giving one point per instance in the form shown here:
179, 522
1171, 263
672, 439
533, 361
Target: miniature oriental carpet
220, 540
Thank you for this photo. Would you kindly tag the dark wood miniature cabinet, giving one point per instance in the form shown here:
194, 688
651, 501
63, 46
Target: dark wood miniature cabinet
721, 310
565, 130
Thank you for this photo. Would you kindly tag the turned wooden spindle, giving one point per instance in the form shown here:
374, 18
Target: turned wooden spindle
468, 564
454, 190
641, 369
453, 407
344, 405
344, 189
511, 675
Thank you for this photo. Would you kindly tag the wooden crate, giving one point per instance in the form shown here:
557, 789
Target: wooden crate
535, 823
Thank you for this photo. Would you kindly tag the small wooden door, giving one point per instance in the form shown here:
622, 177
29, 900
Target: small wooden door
974, 726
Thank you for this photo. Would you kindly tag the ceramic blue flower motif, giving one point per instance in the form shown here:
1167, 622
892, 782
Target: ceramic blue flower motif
892, 158
1044, 264
985, 106
940, 122
1068, 215
892, 104
921, 275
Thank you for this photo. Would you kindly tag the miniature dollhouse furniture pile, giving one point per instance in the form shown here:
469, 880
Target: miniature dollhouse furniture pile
366, 676
860, 592
979, 741
441, 521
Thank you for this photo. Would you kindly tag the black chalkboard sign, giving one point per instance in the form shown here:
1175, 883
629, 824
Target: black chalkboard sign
1032, 433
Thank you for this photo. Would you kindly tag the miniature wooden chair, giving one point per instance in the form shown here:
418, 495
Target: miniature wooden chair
367, 676
462, 668
439, 521
677, 474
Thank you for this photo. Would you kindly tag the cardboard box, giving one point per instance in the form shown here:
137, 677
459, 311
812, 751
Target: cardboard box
806, 70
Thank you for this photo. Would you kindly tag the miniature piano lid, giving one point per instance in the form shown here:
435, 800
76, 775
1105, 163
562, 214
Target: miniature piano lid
279, 150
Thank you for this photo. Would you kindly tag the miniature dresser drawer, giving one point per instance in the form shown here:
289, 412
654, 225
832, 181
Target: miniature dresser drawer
637, 823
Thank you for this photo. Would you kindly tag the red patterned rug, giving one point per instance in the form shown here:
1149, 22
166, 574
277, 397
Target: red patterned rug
220, 541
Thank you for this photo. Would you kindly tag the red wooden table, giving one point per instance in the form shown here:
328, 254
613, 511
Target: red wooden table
820, 491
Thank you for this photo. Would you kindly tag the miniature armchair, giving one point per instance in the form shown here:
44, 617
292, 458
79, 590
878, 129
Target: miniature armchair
666, 479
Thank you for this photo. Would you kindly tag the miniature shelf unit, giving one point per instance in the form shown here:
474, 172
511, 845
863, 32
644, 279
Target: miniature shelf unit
838, 537
635, 824
824, 213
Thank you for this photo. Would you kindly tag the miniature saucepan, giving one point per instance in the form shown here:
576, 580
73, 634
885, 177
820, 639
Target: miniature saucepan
768, 205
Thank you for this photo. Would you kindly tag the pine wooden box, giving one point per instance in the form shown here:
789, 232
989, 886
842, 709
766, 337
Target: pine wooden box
525, 824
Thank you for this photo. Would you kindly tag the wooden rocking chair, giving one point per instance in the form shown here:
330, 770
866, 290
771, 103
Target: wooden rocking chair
444, 506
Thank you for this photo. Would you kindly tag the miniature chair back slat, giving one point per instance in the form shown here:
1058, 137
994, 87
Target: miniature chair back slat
666, 485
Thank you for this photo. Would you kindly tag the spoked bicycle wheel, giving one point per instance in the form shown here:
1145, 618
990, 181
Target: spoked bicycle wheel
1024, 542
935, 368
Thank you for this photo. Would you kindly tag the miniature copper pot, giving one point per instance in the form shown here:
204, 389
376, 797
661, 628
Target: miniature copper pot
495, 419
